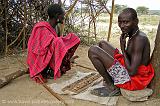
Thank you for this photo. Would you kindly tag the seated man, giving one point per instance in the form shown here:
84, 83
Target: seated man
48, 53
130, 70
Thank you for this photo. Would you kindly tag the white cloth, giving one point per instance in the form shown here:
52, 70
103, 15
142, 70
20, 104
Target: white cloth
85, 95
118, 73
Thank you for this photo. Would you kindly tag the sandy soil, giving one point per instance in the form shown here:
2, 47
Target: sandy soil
25, 92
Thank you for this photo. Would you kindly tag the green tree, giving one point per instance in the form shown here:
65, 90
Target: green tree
142, 10
118, 8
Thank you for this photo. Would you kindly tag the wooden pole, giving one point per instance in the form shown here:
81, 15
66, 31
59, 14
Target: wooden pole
6, 27
25, 18
52, 92
110, 23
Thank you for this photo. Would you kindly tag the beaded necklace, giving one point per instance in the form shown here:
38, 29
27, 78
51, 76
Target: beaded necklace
134, 34
128, 41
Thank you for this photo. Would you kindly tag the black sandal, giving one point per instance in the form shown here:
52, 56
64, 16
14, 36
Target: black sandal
104, 92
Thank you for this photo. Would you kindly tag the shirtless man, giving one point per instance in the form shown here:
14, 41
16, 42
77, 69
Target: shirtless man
130, 70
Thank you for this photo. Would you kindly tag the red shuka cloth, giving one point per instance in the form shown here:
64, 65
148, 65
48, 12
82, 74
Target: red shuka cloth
46, 48
140, 80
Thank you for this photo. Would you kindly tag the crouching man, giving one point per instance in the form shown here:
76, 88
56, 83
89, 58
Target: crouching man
130, 69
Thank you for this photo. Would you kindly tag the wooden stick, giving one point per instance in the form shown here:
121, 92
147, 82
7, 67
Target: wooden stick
8, 78
52, 92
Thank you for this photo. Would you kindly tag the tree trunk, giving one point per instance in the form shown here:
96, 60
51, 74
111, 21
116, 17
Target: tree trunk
155, 60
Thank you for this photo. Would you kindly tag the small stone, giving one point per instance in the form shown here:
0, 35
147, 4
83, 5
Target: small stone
137, 95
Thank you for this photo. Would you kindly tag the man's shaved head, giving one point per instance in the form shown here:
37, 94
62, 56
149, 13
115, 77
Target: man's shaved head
130, 11
54, 10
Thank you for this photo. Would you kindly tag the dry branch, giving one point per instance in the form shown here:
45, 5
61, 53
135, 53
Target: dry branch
8, 78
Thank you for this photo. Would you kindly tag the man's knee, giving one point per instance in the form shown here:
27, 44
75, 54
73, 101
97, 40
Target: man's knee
102, 43
92, 51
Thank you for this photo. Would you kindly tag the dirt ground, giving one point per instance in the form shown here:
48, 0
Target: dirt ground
25, 92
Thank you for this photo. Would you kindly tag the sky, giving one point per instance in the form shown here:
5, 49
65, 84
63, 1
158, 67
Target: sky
151, 4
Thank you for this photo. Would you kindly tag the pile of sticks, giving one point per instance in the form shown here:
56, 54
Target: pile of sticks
82, 84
